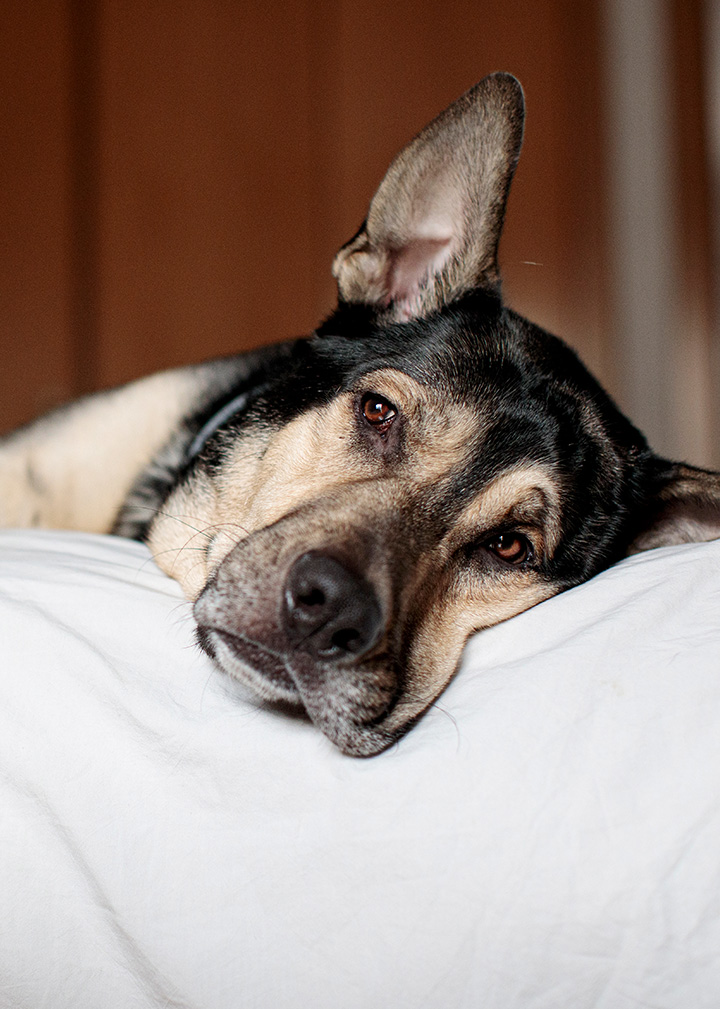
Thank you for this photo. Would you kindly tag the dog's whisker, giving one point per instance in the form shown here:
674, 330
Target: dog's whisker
208, 530
175, 550
232, 530
181, 520
224, 526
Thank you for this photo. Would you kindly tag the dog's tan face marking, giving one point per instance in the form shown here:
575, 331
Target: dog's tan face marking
270, 473
467, 606
470, 596
319, 451
527, 498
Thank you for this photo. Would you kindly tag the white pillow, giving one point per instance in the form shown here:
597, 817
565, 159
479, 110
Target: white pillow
548, 836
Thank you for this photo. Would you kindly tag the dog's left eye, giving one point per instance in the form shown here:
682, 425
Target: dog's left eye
377, 411
511, 547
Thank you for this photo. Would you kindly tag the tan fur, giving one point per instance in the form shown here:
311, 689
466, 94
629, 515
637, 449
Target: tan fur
269, 474
73, 469
310, 479
526, 497
474, 600
443, 597
451, 619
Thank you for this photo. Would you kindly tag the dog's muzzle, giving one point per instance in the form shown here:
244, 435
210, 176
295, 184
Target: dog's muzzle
309, 628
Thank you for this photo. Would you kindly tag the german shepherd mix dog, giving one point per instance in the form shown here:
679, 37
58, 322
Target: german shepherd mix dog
345, 510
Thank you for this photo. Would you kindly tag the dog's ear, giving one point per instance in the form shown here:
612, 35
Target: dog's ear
433, 227
686, 509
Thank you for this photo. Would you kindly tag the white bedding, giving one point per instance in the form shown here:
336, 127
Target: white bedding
547, 837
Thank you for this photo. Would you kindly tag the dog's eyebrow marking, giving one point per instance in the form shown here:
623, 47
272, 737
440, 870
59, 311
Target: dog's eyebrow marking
526, 493
440, 431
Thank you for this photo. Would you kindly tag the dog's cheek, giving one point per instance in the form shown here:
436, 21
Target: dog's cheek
433, 659
183, 532
491, 599
468, 606
206, 516
309, 459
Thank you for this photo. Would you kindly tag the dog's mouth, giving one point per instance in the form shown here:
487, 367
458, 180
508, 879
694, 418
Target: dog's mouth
312, 632
250, 663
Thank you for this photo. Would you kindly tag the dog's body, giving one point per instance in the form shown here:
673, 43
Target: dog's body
345, 510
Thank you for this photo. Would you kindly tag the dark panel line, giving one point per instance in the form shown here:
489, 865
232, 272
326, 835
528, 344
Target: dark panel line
85, 195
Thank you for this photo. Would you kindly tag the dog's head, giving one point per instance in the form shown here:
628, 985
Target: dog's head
428, 464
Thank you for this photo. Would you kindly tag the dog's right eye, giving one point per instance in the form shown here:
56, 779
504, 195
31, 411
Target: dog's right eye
378, 412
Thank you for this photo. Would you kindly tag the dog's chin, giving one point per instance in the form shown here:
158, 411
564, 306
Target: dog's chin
270, 677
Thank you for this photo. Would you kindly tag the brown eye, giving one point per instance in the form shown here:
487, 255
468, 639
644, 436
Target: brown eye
377, 411
514, 548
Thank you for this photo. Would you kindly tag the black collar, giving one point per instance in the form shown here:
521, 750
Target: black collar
238, 404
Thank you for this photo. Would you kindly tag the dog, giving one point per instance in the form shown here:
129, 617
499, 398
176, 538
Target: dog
344, 510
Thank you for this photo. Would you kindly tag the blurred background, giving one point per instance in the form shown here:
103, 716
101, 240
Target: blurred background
178, 174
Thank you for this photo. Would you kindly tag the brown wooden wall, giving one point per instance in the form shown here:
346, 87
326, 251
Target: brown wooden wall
177, 174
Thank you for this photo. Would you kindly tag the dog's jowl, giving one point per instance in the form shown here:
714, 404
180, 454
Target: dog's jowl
345, 510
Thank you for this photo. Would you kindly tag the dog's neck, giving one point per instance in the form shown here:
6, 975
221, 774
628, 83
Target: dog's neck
238, 404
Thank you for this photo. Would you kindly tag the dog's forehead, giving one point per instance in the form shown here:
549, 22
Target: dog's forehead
431, 405
482, 401
530, 396
476, 356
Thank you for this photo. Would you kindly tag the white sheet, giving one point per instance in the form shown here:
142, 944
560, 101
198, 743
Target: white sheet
547, 837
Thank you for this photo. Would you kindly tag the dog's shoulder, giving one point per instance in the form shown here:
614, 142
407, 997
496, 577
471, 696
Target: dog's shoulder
75, 467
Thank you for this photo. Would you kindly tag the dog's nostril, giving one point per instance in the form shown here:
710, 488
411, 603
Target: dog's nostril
347, 640
329, 610
313, 597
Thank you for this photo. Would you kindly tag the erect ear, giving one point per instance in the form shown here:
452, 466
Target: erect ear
686, 509
433, 227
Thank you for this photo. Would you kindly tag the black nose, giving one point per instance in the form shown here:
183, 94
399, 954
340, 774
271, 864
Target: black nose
330, 611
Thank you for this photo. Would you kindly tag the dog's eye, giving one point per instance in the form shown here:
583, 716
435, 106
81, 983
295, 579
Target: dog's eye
512, 547
377, 411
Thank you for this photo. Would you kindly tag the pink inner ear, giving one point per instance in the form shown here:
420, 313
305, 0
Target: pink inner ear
410, 268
